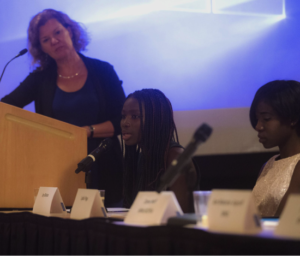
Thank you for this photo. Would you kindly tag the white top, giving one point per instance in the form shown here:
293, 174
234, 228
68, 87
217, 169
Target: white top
273, 183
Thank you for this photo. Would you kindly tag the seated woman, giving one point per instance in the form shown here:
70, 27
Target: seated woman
274, 114
151, 144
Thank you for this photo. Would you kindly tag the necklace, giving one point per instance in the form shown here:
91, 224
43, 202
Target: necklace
68, 77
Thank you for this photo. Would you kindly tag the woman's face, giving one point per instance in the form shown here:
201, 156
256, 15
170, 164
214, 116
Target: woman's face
55, 39
131, 122
271, 130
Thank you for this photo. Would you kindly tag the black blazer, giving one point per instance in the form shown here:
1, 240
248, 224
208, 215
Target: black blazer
40, 85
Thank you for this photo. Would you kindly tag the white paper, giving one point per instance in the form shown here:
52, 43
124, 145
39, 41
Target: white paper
88, 204
233, 211
152, 208
289, 222
49, 201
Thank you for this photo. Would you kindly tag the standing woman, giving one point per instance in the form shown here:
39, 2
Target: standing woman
275, 115
75, 89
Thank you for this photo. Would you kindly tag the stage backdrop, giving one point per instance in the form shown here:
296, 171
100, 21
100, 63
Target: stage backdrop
208, 56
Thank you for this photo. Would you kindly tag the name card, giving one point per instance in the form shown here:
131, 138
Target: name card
233, 211
49, 201
152, 208
289, 222
88, 204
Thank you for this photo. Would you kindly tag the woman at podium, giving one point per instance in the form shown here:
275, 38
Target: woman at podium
73, 88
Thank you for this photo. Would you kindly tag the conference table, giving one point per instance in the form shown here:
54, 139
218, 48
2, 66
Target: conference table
28, 233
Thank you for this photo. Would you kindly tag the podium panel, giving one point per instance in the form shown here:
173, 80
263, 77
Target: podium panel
38, 151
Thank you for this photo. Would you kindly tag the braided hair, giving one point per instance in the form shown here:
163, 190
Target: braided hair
146, 162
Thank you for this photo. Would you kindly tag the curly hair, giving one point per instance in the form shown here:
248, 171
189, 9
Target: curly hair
80, 38
284, 98
157, 131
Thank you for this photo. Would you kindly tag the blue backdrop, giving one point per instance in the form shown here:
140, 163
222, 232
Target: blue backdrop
202, 54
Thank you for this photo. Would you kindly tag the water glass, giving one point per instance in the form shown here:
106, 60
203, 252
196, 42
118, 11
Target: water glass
201, 201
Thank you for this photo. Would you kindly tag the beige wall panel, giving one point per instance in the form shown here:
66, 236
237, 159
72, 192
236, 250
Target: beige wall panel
38, 151
232, 131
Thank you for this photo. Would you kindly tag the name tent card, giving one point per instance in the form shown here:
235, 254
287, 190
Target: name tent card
88, 204
233, 211
152, 208
289, 222
48, 201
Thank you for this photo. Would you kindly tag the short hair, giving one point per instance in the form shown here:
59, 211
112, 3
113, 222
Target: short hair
284, 98
157, 131
80, 38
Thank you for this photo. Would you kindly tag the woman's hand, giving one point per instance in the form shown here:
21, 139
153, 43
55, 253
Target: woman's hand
88, 131
102, 130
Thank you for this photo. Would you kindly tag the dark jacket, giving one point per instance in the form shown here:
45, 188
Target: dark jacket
40, 86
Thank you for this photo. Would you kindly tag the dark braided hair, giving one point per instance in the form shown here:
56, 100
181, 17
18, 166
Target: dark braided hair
146, 162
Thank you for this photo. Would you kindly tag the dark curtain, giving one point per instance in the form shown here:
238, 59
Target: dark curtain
27, 233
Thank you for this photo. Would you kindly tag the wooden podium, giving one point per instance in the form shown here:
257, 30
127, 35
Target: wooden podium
38, 151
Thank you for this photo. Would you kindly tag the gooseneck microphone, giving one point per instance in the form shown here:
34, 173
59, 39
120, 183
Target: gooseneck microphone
85, 164
177, 165
18, 55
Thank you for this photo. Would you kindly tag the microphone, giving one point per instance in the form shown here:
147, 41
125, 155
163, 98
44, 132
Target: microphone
18, 55
85, 164
21, 53
177, 165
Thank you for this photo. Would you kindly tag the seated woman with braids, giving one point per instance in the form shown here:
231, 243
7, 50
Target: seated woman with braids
151, 144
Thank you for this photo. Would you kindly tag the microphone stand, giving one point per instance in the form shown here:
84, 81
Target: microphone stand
177, 165
18, 55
